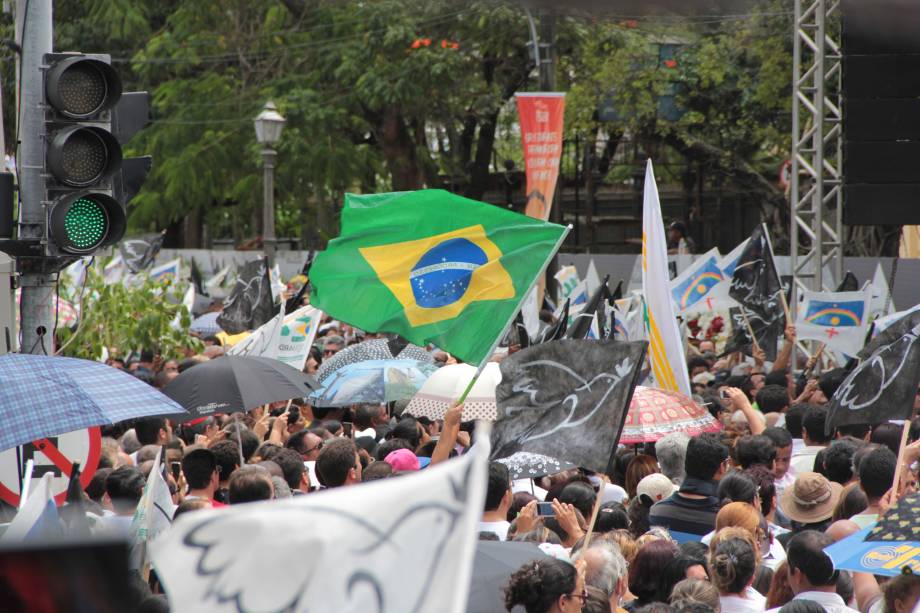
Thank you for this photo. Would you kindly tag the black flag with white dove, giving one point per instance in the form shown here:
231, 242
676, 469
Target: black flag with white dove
755, 283
250, 303
139, 253
767, 333
566, 399
884, 384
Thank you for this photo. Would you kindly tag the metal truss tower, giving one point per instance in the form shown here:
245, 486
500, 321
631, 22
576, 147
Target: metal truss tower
816, 193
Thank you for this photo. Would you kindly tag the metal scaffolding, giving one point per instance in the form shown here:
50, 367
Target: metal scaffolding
816, 193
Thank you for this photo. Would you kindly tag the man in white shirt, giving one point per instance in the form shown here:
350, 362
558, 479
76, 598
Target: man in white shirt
498, 501
811, 572
803, 461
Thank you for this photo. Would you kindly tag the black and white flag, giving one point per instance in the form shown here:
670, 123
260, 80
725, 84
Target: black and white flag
768, 334
139, 253
250, 303
883, 385
566, 399
392, 546
755, 283
592, 310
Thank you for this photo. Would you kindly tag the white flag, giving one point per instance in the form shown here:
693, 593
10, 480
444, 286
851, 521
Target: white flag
567, 278
263, 342
530, 312
153, 514
391, 546
702, 286
38, 518
278, 287
881, 303
838, 319
286, 337
666, 352
217, 280
592, 279
115, 270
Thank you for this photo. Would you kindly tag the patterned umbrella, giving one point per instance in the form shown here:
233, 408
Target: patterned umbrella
376, 349
372, 381
42, 396
887, 548
448, 383
526, 465
206, 325
655, 413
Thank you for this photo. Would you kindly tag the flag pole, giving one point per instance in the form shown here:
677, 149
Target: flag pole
747, 322
485, 360
897, 472
594, 512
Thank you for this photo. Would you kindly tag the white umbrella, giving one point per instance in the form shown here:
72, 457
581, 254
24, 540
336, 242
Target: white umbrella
445, 386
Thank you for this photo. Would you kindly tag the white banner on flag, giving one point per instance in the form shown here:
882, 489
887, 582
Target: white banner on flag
250, 557
153, 514
838, 319
286, 337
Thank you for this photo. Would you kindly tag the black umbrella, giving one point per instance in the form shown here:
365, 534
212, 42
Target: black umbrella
493, 565
231, 384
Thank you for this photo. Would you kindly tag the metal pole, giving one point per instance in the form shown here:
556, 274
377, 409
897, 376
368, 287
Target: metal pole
268, 203
34, 35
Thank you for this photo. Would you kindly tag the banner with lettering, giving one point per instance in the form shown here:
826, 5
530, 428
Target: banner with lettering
540, 115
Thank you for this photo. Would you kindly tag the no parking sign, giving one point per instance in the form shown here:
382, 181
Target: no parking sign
55, 455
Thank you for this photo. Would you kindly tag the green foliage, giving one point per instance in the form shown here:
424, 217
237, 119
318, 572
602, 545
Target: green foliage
400, 94
126, 317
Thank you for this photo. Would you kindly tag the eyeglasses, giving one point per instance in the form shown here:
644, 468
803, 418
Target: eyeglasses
330, 351
319, 446
583, 596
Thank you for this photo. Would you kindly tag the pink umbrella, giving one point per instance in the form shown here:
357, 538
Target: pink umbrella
655, 413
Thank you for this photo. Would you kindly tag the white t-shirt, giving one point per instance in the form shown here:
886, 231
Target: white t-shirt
498, 527
831, 602
750, 601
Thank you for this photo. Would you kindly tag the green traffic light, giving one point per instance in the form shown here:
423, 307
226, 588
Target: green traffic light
85, 223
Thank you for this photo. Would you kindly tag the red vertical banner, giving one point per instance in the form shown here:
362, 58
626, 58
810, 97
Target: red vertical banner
541, 115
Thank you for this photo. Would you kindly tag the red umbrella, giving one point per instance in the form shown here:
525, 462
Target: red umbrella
654, 413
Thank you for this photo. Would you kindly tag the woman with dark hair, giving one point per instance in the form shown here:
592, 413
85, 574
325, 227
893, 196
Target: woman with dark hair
546, 585
621, 461
650, 562
680, 567
853, 501
639, 467
736, 486
732, 565
611, 516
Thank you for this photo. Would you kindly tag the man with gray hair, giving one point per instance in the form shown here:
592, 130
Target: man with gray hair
605, 569
671, 451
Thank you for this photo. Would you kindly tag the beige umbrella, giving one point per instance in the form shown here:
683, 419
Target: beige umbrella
448, 383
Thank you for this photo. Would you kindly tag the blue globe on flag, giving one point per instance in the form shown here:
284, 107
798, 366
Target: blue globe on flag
442, 275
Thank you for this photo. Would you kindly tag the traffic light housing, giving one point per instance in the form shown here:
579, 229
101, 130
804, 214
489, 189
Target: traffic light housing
87, 120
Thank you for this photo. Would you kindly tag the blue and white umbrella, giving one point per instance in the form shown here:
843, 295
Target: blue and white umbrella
206, 325
372, 381
43, 396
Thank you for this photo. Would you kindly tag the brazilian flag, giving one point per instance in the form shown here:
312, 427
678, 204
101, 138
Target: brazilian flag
432, 267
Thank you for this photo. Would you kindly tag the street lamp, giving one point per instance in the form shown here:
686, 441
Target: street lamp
268, 124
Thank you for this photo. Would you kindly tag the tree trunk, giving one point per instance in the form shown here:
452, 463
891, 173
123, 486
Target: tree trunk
400, 152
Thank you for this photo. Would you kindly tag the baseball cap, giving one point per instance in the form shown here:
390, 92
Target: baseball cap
656, 486
402, 459
811, 499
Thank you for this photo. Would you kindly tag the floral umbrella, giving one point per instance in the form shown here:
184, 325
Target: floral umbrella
655, 413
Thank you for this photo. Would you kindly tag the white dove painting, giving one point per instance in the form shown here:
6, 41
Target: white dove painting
392, 546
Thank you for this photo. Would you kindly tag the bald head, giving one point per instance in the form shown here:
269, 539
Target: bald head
841, 529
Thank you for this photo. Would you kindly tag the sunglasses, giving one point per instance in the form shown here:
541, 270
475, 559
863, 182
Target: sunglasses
583, 596
318, 446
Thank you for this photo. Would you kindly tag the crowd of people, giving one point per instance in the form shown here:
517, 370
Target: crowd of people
735, 522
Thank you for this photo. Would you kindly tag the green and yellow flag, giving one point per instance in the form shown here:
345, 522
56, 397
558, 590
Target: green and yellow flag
432, 267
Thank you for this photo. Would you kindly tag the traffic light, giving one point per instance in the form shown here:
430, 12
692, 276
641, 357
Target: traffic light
87, 120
